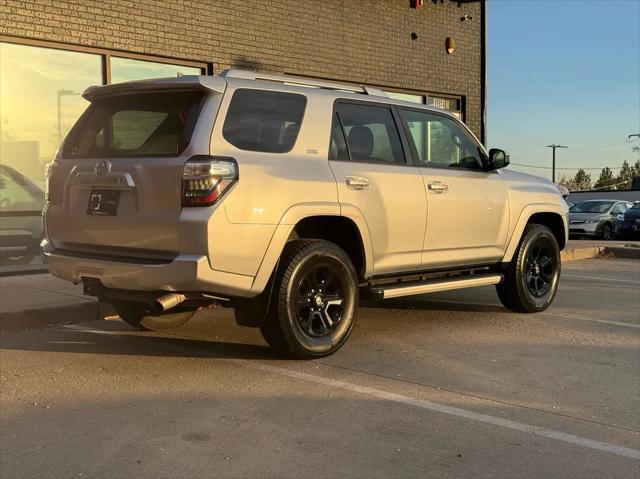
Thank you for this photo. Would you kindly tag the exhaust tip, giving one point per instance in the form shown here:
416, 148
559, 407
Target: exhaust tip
166, 302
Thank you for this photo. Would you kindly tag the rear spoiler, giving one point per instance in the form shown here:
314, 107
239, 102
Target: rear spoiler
187, 82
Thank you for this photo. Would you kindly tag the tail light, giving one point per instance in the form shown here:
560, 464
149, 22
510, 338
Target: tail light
206, 178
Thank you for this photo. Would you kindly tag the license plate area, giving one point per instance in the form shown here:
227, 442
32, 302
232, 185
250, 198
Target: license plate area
103, 202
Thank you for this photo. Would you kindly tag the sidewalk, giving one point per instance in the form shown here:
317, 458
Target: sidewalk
38, 300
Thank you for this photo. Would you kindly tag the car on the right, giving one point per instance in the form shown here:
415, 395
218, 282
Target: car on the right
628, 224
596, 218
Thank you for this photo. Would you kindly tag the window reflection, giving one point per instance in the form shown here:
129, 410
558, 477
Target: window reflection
39, 102
405, 96
127, 69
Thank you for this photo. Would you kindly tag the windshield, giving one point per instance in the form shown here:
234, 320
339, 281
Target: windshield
592, 207
149, 124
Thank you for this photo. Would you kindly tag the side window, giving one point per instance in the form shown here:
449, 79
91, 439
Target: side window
618, 209
440, 141
338, 145
370, 133
265, 121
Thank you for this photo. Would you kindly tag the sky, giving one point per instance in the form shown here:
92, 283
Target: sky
564, 72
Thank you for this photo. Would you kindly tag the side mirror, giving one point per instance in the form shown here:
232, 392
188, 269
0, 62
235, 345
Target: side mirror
497, 159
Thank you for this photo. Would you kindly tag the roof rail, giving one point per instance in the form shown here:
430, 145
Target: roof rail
301, 81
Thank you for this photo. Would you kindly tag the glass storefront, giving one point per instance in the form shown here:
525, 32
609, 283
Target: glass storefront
40, 100
452, 104
127, 69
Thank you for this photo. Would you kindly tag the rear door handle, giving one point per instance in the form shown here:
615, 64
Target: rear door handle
438, 187
357, 183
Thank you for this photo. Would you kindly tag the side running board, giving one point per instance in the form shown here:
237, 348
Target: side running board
435, 285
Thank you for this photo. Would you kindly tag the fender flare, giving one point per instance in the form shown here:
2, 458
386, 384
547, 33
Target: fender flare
287, 223
526, 213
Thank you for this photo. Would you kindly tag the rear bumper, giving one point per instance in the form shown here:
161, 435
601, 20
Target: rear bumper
185, 273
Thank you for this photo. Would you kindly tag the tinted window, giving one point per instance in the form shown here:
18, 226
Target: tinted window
338, 145
371, 133
150, 124
264, 121
440, 141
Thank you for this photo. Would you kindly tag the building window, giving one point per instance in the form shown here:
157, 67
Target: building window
41, 87
405, 96
453, 104
127, 69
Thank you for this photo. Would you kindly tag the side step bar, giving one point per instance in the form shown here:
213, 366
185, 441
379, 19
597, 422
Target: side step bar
435, 285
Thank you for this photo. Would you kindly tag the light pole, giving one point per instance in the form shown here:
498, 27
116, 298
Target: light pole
553, 165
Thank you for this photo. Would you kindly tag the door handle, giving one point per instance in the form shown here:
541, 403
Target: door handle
357, 183
438, 187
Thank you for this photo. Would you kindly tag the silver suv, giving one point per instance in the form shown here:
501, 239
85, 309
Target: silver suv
286, 199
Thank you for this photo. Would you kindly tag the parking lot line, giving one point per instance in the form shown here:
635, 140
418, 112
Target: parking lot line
593, 320
419, 403
600, 278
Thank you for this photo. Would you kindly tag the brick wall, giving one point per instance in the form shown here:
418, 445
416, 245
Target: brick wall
364, 41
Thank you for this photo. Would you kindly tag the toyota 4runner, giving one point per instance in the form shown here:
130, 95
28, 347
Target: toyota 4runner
287, 199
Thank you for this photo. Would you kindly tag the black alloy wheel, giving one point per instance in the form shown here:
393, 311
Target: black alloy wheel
531, 278
540, 269
314, 301
318, 299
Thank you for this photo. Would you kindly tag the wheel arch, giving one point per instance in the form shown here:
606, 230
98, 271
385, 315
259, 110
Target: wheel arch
549, 215
321, 221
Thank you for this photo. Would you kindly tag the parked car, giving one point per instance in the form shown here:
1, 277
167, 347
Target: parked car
595, 218
20, 232
628, 223
282, 198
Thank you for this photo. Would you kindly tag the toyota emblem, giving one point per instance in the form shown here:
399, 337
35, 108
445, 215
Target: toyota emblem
102, 168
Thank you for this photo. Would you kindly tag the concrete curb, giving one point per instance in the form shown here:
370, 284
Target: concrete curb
587, 252
76, 312
623, 252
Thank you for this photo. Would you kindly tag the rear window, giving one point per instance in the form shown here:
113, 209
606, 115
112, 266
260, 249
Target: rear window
265, 121
149, 124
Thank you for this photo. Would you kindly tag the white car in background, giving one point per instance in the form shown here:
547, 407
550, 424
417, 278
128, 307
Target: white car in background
596, 218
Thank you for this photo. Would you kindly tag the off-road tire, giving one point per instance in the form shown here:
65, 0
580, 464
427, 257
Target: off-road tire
282, 327
515, 291
138, 315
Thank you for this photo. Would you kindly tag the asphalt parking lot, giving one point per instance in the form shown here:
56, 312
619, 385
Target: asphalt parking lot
446, 385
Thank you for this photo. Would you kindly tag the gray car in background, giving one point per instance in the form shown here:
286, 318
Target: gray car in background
595, 218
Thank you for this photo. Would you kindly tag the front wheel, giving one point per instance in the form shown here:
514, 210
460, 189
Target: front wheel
607, 232
138, 315
314, 301
531, 281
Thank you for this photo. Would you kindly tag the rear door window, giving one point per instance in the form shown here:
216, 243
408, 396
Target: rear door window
265, 121
149, 124
370, 132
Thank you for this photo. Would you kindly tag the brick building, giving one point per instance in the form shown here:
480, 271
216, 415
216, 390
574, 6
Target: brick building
51, 50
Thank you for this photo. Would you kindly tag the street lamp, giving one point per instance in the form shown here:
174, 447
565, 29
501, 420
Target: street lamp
553, 165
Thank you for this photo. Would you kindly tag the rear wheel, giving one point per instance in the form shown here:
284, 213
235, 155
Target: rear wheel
139, 316
531, 281
315, 298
